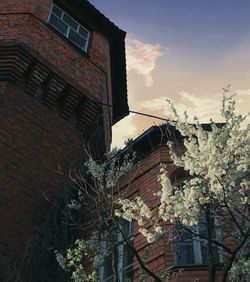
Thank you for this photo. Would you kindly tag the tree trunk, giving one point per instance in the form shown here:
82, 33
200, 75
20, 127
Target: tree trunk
140, 261
227, 267
210, 257
210, 262
114, 265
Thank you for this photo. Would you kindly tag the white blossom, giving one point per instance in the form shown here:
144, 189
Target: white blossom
217, 160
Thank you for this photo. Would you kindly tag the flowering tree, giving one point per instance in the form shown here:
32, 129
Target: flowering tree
98, 192
217, 161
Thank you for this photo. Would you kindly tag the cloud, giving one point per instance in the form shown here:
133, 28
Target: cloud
159, 103
122, 131
142, 57
245, 92
202, 107
243, 98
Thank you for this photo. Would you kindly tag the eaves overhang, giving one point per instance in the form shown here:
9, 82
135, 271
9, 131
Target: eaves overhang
116, 37
158, 136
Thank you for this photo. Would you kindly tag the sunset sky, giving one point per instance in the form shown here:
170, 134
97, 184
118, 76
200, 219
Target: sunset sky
183, 50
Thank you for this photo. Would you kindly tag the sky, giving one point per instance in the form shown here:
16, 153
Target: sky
186, 51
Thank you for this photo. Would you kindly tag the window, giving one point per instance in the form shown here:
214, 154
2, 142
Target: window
69, 27
124, 255
190, 249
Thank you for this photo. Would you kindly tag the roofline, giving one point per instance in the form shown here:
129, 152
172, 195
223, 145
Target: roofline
157, 136
118, 60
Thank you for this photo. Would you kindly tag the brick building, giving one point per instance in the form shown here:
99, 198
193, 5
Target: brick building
60, 61
152, 151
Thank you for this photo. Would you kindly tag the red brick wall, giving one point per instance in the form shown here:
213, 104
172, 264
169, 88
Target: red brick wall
143, 182
34, 142
25, 22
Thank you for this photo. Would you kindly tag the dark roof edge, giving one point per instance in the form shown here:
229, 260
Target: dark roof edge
119, 78
118, 61
157, 136
102, 18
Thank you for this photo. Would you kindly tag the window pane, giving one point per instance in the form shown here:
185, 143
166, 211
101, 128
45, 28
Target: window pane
184, 234
204, 253
128, 228
185, 254
69, 27
57, 11
108, 271
110, 279
84, 32
128, 274
128, 256
68, 20
202, 230
58, 24
216, 254
77, 39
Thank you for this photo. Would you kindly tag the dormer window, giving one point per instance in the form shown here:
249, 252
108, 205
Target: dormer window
69, 27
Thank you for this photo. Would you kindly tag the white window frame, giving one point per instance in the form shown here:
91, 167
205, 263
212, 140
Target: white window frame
197, 242
69, 28
121, 269
104, 247
197, 246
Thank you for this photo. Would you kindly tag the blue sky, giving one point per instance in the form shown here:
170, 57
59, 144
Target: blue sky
194, 25
185, 50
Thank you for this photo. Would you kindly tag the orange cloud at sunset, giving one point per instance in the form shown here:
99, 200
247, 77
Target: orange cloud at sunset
142, 57
151, 82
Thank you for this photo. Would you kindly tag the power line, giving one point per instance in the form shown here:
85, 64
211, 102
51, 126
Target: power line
134, 112
149, 115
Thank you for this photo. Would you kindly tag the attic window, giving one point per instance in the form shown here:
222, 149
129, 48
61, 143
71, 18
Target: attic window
69, 27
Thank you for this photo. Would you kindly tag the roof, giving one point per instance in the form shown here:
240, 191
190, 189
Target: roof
157, 136
152, 138
118, 60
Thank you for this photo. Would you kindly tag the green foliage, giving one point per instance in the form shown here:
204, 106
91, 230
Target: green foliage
217, 161
112, 169
96, 196
74, 263
240, 271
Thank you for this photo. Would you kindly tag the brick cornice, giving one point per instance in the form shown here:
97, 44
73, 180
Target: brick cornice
19, 66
